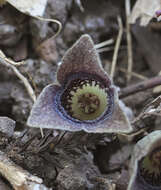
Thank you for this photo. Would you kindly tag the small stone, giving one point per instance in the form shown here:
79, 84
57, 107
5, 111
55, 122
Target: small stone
69, 179
7, 126
47, 51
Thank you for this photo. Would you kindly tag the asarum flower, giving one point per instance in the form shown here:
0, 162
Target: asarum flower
146, 163
82, 98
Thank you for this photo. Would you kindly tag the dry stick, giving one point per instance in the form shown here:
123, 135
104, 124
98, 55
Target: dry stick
129, 40
105, 43
133, 74
54, 21
20, 76
141, 86
117, 46
11, 64
101, 50
2, 55
101, 46
79, 3
106, 49
19, 178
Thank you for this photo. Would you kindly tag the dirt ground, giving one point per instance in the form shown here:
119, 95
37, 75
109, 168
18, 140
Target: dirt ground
73, 161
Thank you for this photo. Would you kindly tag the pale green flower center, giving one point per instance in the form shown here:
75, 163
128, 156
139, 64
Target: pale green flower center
86, 101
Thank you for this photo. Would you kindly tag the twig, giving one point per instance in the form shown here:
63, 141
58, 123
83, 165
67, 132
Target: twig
106, 49
11, 64
54, 21
153, 108
21, 77
17, 177
129, 40
79, 3
101, 50
25, 82
141, 86
105, 43
133, 74
117, 46
2, 55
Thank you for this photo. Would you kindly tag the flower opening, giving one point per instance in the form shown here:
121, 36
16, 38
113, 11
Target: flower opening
85, 98
150, 168
145, 166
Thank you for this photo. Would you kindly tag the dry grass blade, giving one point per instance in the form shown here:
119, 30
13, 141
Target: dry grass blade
9, 63
106, 49
133, 74
79, 3
105, 43
54, 21
2, 55
129, 40
117, 46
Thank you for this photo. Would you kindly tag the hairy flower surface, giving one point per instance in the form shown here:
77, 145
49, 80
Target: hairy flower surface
146, 163
82, 98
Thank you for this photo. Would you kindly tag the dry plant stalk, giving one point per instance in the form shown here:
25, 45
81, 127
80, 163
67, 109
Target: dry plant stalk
51, 20
129, 40
141, 86
133, 74
117, 46
11, 64
19, 179
2, 56
104, 43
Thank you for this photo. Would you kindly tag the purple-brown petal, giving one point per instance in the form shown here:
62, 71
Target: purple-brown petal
56, 107
81, 57
44, 113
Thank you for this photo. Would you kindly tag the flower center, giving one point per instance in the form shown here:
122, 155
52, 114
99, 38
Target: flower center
88, 103
156, 159
86, 99
150, 168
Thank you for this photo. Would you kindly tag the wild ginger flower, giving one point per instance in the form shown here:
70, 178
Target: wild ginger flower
82, 98
146, 163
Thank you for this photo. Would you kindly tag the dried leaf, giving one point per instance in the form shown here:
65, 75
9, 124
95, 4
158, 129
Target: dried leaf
29, 7
144, 9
